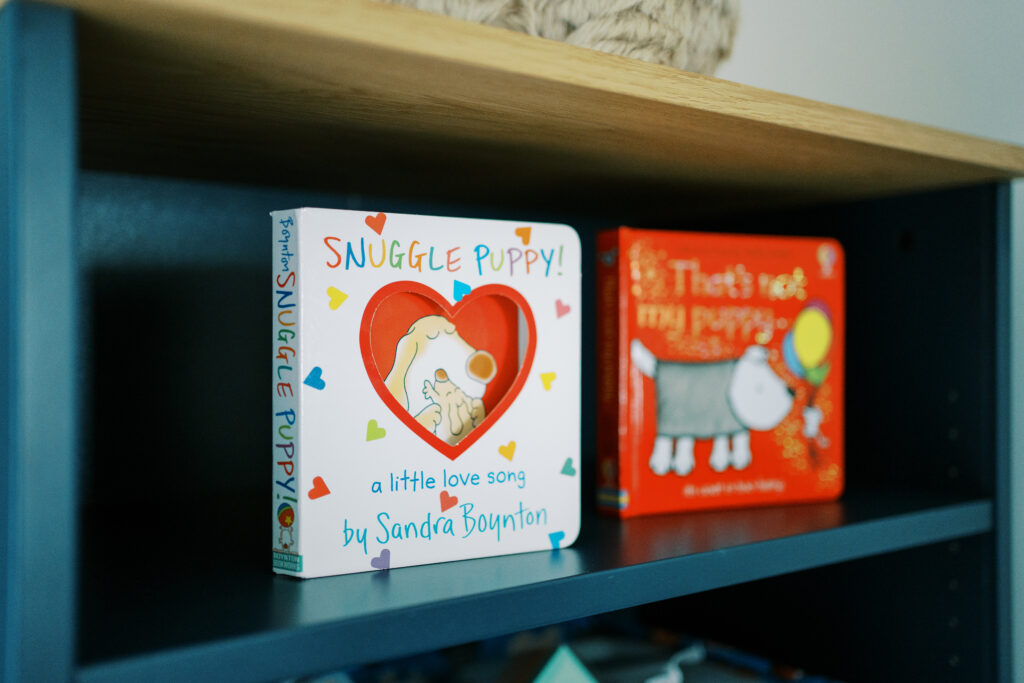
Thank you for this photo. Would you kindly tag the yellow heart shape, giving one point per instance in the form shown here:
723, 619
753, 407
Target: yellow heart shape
508, 450
337, 297
547, 378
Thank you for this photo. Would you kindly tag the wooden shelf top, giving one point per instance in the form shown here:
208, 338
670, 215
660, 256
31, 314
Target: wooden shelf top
372, 97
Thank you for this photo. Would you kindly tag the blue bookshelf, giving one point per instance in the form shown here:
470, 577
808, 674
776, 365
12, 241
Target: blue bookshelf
136, 222
41, 330
249, 617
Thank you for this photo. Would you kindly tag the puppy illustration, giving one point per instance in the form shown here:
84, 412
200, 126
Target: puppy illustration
440, 378
458, 415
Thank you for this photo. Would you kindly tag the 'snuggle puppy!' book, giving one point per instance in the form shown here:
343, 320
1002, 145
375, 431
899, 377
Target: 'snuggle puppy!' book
426, 389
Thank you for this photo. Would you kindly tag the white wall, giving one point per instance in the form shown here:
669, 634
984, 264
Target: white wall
956, 65
950, 64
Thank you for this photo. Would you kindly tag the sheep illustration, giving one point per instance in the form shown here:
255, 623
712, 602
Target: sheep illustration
719, 400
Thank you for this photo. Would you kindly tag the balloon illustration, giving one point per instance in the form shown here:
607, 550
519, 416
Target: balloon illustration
805, 351
285, 515
789, 355
806, 346
812, 337
286, 518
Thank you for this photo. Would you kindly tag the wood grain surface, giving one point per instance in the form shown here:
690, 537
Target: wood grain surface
371, 97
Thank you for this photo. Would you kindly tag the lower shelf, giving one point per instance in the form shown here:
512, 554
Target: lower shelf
196, 615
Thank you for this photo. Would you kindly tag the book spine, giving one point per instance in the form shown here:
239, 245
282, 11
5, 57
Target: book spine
286, 388
611, 497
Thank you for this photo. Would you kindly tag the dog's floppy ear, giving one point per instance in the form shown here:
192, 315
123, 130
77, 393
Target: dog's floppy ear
642, 358
405, 351
426, 328
755, 352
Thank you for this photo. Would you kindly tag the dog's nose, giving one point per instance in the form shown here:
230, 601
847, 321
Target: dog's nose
481, 366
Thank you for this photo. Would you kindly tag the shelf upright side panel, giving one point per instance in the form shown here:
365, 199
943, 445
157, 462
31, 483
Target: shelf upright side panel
39, 350
1008, 264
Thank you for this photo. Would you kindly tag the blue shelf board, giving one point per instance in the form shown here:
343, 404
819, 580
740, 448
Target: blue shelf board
240, 623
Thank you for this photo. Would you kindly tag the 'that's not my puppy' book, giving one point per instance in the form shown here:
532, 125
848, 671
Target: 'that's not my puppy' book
426, 389
723, 366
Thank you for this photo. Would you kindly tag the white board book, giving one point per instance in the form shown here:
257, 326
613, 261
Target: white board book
426, 389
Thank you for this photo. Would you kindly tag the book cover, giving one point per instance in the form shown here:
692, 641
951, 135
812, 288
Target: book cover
721, 370
426, 398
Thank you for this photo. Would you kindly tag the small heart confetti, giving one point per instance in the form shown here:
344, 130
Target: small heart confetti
319, 489
561, 308
315, 379
547, 378
373, 432
556, 538
568, 469
376, 223
524, 235
448, 501
508, 450
460, 290
337, 297
383, 561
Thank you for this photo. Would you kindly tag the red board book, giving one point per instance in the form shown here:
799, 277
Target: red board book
722, 366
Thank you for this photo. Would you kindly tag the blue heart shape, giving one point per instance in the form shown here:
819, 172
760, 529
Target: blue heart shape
460, 290
315, 379
556, 538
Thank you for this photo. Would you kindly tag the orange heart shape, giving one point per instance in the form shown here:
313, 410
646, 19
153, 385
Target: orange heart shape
319, 489
448, 501
376, 223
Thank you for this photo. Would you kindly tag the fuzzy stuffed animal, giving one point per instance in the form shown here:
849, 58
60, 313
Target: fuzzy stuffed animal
694, 35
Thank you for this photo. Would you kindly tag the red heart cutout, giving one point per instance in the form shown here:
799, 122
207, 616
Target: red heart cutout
376, 223
405, 322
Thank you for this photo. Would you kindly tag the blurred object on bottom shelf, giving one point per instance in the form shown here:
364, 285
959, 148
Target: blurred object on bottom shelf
601, 649
564, 667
